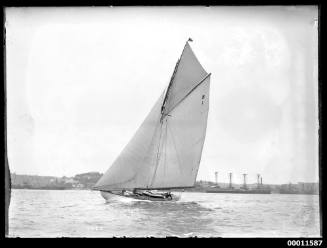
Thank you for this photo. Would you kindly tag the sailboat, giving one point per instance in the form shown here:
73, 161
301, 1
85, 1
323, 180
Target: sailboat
165, 152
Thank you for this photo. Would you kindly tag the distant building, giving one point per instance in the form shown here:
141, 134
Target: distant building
308, 187
299, 188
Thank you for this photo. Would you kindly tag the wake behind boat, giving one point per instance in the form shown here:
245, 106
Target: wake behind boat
165, 152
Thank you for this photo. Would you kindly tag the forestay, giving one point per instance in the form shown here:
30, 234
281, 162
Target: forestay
165, 152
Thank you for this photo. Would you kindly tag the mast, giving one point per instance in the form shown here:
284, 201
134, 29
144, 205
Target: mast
167, 92
171, 82
165, 152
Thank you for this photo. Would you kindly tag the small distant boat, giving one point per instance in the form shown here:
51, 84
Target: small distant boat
165, 152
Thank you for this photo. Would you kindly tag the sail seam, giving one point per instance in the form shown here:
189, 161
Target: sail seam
172, 137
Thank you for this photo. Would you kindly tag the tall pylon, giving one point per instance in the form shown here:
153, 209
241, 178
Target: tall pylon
230, 180
216, 177
258, 180
244, 181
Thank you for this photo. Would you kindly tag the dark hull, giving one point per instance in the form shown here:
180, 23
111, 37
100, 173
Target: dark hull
109, 196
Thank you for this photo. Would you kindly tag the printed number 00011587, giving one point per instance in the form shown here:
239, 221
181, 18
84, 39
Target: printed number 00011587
304, 242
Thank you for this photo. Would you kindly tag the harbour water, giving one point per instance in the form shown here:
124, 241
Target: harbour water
84, 213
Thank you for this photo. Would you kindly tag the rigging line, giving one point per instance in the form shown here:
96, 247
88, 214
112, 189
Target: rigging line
165, 153
154, 134
152, 141
172, 137
158, 157
189, 93
129, 180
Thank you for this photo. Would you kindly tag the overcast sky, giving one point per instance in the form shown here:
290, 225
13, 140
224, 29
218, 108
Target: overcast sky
80, 81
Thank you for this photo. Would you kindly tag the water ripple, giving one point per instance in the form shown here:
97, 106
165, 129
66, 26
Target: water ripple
81, 213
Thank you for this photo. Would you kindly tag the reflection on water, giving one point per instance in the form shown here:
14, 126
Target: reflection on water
73, 213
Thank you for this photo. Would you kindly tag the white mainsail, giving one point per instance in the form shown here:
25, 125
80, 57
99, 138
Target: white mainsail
165, 152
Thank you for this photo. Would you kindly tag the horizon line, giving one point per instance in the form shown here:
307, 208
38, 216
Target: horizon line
195, 181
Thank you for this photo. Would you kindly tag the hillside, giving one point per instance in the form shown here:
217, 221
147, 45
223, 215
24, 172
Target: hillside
79, 181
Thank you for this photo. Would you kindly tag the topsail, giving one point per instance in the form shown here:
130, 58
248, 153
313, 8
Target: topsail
165, 151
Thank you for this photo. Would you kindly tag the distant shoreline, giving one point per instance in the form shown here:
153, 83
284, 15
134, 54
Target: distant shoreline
85, 181
198, 190
49, 188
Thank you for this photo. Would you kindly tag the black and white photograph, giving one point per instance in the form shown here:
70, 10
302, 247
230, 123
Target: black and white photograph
172, 121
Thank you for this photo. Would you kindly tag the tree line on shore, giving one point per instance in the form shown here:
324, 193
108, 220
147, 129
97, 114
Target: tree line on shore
79, 181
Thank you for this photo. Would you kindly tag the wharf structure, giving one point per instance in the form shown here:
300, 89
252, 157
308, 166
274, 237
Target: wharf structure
260, 189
